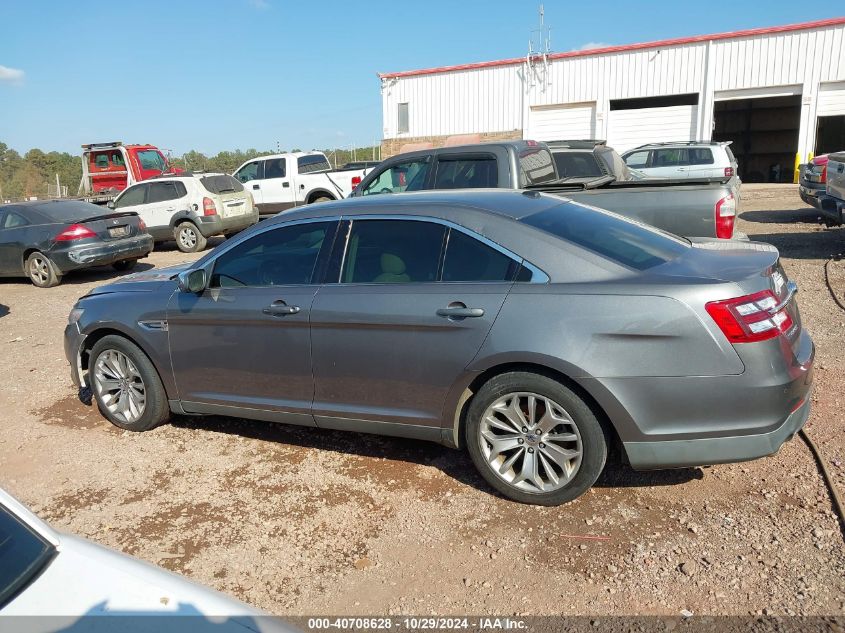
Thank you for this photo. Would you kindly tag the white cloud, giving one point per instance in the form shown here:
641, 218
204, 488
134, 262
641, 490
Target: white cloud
10, 74
591, 45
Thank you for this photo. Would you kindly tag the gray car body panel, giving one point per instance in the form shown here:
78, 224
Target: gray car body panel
376, 358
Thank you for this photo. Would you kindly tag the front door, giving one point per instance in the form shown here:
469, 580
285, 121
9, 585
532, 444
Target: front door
244, 342
251, 175
392, 337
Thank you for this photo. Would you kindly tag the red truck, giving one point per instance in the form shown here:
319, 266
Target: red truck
109, 168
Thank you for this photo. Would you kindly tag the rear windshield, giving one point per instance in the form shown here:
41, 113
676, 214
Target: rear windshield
221, 184
315, 162
609, 235
537, 166
575, 164
69, 210
22, 555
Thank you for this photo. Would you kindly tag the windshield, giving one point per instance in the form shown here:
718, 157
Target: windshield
612, 236
577, 164
22, 555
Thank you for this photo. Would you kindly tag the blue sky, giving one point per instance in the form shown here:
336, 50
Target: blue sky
227, 74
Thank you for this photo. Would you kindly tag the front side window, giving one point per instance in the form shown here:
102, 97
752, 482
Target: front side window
162, 192
251, 171
468, 259
466, 173
637, 160
23, 554
407, 176
392, 251
131, 197
151, 159
274, 168
283, 256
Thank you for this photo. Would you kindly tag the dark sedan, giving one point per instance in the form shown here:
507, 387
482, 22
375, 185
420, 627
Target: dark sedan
534, 331
44, 240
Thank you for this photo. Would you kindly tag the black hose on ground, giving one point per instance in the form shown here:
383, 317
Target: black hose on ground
826, 475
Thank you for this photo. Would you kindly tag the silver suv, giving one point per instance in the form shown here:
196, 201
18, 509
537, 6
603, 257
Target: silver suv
686, 159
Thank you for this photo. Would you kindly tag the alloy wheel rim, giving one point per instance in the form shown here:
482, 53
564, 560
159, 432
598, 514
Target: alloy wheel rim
38, 270
188, 238
120, 386
530, 442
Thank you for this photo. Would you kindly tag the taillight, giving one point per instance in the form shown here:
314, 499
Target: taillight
824, 174
75, 232
142, 226
729, 172
725, 217
208, 207
748, 319
356, 180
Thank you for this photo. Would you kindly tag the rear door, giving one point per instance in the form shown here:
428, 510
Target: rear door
401, 321
669, 163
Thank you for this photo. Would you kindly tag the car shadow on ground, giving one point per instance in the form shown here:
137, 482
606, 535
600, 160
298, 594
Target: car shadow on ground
168, 247
804, 215
454, 464
819, 245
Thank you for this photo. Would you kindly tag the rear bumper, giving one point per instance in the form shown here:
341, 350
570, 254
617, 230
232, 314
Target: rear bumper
832, 209
810, 192
210, 225
102, 253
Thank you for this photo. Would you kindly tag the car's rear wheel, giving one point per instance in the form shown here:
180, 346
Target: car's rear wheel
41, 271
126, 264
126, 386
188, 238
535, 440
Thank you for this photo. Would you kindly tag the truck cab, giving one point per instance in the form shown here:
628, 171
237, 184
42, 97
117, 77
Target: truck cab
109, 168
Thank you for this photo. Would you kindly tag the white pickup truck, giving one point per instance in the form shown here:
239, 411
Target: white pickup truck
281, 181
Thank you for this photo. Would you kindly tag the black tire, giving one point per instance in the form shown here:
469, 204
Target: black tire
593, 440
125, 264
156, 409
188, 237
41, 271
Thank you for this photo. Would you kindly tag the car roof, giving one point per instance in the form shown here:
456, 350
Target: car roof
681, 144
285, 155
507, 203
471, 147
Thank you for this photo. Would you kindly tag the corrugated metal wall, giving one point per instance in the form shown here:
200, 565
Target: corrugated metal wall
495, 99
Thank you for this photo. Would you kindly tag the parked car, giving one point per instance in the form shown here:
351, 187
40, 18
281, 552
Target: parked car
46, 573
832, 202
589, 158
190, 208
704, 207
518, 325
686, 160
44, 240
812, 180
283, 181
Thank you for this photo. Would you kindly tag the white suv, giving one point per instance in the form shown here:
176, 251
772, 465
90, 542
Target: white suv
689, 159
190, 208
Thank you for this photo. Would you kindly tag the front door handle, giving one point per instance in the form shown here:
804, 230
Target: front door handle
460, 312
285, 184
280, 308
255, 186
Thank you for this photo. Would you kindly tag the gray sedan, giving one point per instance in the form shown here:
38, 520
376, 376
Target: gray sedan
530, 330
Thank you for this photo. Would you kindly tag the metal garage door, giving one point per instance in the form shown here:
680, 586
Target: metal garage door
630, 128
831, 99
559, 122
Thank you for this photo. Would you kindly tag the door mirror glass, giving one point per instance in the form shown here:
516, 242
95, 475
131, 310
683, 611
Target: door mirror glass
110, 204
192, 281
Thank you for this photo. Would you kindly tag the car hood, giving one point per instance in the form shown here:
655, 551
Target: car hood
145, 281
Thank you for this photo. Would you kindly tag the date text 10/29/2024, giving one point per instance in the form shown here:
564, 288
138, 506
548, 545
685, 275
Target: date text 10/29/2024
417, 624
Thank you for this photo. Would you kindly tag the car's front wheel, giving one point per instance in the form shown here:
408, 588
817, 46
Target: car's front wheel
126, 385
125, 264
188, 238
41, 271
535, 440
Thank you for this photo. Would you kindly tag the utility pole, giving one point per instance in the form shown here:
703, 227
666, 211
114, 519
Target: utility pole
58, 186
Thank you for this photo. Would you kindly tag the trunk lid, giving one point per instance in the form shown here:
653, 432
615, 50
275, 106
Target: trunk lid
114, 226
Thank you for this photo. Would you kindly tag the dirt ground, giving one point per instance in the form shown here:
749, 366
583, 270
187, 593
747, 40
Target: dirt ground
308, 521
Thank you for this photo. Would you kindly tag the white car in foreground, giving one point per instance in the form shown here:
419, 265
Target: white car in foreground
47, 573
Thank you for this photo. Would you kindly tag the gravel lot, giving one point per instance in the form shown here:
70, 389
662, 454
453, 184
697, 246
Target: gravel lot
307, 521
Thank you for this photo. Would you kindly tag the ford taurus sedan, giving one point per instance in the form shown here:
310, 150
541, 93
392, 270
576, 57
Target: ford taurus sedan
533, 331
46, 239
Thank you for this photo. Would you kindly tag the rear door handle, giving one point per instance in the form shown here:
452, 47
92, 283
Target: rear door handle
280, 308
460, 312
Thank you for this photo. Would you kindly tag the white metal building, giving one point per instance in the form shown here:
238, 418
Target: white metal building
778, 93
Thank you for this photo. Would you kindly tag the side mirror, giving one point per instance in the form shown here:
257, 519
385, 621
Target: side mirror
192, 281
110, 204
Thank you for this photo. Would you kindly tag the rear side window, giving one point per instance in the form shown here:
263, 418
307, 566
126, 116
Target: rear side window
466, 173
608, 235
275, 168
13, 220
537, 166
393, 251
407, 176
700, 156
310, 164
468, 259
221, 184
164, 191
23, 554
131, 197
669, 158
101, 161
577, 164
